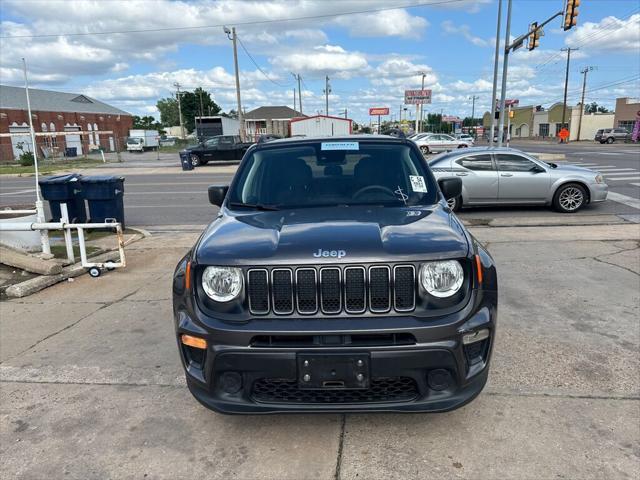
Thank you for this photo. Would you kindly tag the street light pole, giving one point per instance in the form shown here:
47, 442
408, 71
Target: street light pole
505, 66
419, 106
495, 74
234, 38
473, 112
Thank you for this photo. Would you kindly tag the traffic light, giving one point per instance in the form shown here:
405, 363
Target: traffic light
534, 37
571, 14
512, 114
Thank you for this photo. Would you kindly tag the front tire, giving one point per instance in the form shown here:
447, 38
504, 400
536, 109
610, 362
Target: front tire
610, 140
195, 160
570, 198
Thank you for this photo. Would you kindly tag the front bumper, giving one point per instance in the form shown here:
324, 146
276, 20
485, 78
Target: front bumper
598, 192
423, 367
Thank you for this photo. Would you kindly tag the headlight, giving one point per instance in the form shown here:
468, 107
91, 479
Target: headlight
599, 178
222, 284
442, 279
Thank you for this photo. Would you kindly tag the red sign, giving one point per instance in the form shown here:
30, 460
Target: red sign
379, 111
416, 97
509, 102
563, 134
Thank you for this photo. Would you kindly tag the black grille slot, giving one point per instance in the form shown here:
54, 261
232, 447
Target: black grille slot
307, 290
383, 389
379, 289
282, 291
354, 290
404, 288
330, 290
258, 291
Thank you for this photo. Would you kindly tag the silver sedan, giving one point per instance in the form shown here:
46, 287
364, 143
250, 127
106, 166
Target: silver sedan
507, 176
440, 142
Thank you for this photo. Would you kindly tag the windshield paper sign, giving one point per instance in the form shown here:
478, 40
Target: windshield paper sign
340, 146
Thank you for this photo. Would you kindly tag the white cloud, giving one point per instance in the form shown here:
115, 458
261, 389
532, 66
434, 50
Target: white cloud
388, 23
324, 59
449, 27
610, 34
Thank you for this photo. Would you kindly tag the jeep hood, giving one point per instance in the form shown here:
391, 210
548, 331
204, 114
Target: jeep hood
292, 237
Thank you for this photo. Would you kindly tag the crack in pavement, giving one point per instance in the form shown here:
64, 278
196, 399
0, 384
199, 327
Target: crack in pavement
102, 307
343, 423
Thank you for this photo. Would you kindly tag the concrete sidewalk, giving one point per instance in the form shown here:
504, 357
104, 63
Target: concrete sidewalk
91, 385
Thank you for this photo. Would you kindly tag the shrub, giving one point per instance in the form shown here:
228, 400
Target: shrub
26, 159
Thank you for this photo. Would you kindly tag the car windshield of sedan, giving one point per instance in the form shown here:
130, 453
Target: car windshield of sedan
331, 173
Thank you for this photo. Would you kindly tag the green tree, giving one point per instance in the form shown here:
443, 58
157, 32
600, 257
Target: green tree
595, 108
146, 123
193, 104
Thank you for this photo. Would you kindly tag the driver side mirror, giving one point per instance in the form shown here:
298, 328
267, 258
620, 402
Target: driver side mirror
217, 194
450, 187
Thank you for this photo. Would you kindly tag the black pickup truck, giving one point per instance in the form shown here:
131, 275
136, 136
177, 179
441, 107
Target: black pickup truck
215, 149
335, 278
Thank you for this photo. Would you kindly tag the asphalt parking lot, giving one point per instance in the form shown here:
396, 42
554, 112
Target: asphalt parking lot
92, 387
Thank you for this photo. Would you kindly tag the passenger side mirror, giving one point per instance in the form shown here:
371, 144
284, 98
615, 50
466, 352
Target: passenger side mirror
537, 169
450, 187
217, 194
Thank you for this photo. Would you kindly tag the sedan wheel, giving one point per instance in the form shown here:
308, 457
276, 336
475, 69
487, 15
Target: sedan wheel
195, 160
424, 149
610, 140
455, 204
570, 198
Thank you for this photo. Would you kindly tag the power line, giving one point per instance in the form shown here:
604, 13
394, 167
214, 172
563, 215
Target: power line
258, 67
254, 22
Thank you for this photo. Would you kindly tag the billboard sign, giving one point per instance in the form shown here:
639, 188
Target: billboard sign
416, 97
379, 111
510, 102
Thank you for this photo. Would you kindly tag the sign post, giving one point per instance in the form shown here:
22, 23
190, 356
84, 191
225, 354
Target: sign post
378, 111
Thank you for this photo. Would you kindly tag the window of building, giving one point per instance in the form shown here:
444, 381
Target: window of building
544, 129
626, 124
560, 126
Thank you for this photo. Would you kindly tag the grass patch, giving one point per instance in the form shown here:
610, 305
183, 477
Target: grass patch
48, 168
60, 251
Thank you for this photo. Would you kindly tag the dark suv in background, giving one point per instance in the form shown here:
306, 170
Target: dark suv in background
335, 278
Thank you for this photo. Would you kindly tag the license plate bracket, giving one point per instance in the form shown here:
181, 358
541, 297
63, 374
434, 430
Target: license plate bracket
333, 371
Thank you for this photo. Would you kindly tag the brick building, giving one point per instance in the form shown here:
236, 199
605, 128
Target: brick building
55, 113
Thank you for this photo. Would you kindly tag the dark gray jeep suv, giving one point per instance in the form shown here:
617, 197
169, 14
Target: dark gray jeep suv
335, 278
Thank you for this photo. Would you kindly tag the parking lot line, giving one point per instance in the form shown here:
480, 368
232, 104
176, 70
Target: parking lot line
617, 179
624, 199
621, 174
617, 169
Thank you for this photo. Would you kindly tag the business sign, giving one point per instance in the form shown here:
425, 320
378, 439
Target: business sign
451, 119
379, 111
510, 102
416, 97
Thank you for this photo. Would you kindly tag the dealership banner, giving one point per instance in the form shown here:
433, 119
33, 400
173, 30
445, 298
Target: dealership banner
416, 97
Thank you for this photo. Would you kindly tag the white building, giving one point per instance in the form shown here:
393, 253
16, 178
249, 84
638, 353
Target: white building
321, 126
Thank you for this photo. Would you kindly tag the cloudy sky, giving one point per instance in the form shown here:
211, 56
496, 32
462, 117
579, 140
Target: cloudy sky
130, 53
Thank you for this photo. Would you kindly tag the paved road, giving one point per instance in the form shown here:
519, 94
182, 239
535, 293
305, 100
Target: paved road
158, 192
92, 387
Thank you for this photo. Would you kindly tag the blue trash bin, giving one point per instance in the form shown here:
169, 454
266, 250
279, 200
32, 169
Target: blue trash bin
105, 197
64, 189
185, 161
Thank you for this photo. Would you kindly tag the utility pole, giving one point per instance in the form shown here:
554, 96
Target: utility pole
566, 84
584, 86
419, 106
473, 113
294, 99
297, 77
234, 38
505, 66
327, 91
44, 234
495, 75
177, 85
400, 117
201, 107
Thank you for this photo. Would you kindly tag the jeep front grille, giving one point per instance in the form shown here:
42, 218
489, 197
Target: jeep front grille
331, 290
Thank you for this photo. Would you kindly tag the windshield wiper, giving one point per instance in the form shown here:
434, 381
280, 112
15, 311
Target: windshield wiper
256, 206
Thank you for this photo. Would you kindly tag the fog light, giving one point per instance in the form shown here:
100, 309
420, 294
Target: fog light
194, 342
439, 379
476, 336
231, 382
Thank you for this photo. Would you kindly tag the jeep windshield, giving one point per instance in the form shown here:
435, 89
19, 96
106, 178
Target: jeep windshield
322, 174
